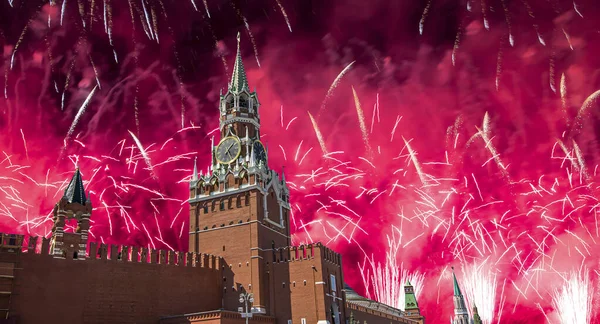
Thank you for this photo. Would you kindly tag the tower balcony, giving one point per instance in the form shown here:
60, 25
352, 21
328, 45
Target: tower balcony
11, 242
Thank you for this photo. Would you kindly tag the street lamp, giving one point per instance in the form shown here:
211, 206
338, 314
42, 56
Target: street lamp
246, 298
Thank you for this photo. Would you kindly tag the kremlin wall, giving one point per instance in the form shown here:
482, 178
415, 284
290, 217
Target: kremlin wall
115, 284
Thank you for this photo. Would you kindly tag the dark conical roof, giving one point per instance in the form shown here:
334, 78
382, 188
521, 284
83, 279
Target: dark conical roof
456, 287
74, 192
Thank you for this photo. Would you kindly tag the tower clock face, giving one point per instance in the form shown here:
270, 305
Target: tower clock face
259, 152
228, 150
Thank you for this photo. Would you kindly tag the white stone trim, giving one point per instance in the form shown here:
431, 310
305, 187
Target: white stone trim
332, 296
252, 121
246, 223
200, 198
274, 223
258, 310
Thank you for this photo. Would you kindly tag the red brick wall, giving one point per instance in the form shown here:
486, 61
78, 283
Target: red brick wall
218, 317
237, 254
367, 316
246, 247
306, 278
49, 290
331, 265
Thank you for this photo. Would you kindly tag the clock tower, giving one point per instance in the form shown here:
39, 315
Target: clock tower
239, 208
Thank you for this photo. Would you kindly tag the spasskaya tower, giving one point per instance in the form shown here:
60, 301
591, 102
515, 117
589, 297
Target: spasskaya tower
240, 208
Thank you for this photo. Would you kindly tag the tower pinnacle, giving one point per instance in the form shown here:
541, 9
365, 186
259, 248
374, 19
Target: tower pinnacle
239, 82
456, 287
73, 205
411, 307
74, 192
195, 176
476, 317
461, 315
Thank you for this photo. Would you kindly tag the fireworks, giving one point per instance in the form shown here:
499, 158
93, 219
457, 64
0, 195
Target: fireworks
455, 169
573, 301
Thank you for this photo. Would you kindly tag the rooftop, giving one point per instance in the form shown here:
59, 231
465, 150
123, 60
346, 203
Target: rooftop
353, 298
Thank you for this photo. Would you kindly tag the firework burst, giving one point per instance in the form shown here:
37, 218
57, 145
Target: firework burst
456, 168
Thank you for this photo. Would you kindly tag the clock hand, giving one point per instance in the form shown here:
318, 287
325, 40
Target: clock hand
228, 151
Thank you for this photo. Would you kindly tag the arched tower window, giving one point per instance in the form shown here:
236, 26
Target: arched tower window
243, 104
229, 104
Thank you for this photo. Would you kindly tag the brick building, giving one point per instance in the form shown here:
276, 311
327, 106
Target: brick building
239, 246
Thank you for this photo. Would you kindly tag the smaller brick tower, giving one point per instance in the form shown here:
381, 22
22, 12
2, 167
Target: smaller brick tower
73, 205
411, 306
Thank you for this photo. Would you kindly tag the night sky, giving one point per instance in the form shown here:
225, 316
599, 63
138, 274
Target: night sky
477, 149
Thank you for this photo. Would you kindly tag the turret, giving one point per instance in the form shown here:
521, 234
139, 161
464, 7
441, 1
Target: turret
195, 175
73, 205
411, 306
461, 315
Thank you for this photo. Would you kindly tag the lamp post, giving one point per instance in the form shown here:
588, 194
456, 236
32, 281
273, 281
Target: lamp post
246, 298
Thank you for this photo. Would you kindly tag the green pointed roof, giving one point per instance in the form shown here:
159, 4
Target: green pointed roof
75, 192
476, 317
410, 300
239, 82
456, 287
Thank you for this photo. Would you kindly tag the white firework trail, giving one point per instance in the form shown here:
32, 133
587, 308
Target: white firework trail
361, 122
573, 301
587, 104
144, 154
287, 20
415, 161
577, 9
194, 4
333, 87
423, 17
62, 11
480, 288
206, 7
79, 114
385, 282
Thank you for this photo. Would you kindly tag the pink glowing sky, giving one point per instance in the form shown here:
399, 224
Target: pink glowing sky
354, 199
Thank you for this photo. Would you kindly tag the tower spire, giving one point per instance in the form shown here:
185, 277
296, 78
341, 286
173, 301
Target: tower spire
456, 287
73, 205
461, 315
238, 78
476, 317
74, 193
195, 169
